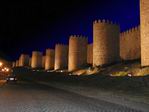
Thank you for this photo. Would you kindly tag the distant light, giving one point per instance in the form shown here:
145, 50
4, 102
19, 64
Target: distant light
7, 70
49, 71
1, 64
70, 73
3, 70
130, 75
111, 74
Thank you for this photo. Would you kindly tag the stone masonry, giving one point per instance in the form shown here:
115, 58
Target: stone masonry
90, 54
77, 52
105, 43
49, 59
130, 48
36, 61
144, 15
61, 56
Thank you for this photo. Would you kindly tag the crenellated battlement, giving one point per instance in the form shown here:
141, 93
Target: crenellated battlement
106, 22
130, 31
78, 37
61, 45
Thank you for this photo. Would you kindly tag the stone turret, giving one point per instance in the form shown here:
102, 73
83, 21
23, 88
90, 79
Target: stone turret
144, 15
61, 56
105, 43
17, 63
49, 59
77, 52
24, 60
36, 61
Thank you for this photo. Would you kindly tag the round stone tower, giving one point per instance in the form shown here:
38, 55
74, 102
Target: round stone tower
49, 59
144, 23
13, 64
77, 52
105, 43
17, 63
36, 61
24, 60
61, 56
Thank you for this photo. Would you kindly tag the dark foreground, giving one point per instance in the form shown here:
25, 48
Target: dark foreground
30, 97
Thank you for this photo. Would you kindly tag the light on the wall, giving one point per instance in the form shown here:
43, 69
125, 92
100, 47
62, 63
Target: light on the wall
1, 64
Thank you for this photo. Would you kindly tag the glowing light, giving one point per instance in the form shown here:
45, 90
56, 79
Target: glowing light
130, 75
1, 64
7, 70
3, 70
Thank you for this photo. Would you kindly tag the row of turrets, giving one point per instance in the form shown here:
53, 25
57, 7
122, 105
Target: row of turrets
104, 50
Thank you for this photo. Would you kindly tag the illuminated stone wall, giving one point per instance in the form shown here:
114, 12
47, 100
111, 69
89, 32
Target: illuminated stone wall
17, 63
13, 64
43, 61
90, 54
130, 48
105, 42
49, 59
36, 61
61, 56
24, 60
77, 52
144, 15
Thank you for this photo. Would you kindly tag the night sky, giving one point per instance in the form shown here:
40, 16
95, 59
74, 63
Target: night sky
37, 25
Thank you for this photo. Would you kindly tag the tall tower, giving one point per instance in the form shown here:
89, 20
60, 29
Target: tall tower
105, 42
144, 16
49, 59
36, 59
77, 52
24, 60
61, 56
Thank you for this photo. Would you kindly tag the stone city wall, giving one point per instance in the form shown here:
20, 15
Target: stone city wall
90, 54
130, 48
144, 17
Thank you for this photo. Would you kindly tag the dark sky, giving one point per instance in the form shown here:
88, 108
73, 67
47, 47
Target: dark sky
37, 25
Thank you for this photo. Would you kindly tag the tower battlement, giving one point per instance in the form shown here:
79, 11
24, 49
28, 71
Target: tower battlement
105, 22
